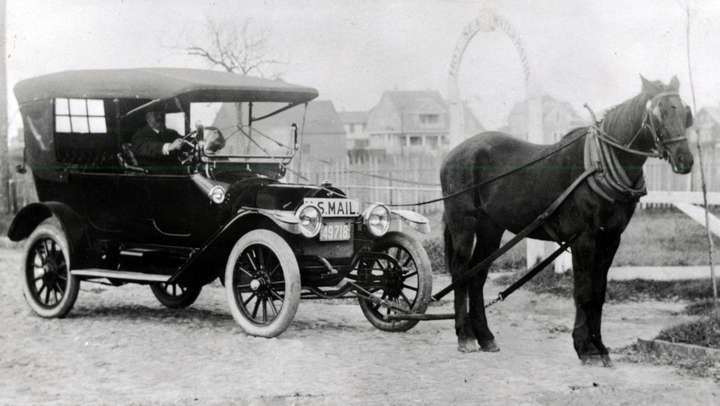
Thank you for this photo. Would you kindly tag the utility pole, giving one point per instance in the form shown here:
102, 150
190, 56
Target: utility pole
4, 163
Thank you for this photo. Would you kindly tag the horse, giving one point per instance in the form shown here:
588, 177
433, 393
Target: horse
518, 180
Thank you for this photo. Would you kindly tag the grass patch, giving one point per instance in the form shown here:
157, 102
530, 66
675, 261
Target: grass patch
513, 259
617, 291
704, 332
664, 237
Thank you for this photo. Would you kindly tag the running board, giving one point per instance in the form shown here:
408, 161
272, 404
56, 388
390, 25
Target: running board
418, 316
122, 275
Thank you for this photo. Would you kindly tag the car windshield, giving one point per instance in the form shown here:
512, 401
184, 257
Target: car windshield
229, 134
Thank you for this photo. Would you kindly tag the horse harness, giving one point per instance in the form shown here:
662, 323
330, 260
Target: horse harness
611, 181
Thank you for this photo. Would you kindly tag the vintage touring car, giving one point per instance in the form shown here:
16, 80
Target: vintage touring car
217, 207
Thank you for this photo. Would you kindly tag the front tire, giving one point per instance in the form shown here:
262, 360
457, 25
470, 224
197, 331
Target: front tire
175, 296
262, 283
411, 289
48, 286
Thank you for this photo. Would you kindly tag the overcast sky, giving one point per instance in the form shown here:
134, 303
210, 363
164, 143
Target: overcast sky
353, 50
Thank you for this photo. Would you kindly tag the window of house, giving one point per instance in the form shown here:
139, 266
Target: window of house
80, 116
431, 141
415, 141
359, 144
402, 140
429, 118
445, 140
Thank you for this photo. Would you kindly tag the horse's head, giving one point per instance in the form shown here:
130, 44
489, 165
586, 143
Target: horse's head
667, 118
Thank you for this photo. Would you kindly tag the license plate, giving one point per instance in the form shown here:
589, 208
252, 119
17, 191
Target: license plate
335, 207
335, 232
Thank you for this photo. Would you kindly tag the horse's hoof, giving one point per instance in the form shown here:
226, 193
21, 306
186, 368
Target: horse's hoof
596, 359
489, 346
467, 345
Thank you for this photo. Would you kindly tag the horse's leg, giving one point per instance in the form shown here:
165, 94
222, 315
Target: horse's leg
592, 256
459, 241
488, 240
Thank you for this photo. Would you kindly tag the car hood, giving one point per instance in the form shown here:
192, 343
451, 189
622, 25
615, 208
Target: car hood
273, 195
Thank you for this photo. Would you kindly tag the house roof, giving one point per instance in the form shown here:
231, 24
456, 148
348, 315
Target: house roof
159, 83
353, 117
321, 117
712, 112
417, 101
549, 104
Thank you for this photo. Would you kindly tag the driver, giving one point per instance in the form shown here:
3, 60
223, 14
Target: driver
155, 144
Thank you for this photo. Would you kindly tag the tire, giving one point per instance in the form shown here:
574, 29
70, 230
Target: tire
253, 284
48, 286
175, 296
416, 278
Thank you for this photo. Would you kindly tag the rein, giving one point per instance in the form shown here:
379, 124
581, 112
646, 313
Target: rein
660, 147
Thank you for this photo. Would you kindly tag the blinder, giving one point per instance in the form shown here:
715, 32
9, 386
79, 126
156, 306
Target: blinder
661, 142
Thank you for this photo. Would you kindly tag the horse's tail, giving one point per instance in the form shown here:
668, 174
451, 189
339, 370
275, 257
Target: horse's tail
447, 237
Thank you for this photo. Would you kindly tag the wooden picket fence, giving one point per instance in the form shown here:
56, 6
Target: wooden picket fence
415, 178
392, 180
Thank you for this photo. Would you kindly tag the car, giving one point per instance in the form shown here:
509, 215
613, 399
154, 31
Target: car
219, 208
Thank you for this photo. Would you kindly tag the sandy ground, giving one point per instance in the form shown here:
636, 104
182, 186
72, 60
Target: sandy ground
119, 346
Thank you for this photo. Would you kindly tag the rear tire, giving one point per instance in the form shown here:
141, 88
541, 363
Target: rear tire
175, 296
48, 286
416, 281
262, 283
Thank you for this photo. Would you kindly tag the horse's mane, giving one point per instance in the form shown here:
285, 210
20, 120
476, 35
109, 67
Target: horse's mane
619, 120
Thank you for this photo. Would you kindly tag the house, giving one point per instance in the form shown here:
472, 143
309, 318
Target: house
355, 123
324, 138
707, 126
413, 121
558, 119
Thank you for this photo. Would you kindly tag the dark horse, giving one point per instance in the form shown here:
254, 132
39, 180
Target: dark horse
596, 213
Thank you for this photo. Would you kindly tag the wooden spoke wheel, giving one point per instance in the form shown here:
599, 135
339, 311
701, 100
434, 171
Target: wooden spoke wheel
49, 288
262, 282
175, 296
405, 281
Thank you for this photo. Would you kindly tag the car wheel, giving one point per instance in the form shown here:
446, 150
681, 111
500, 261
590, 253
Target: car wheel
175, 296
262, 282
48, 286
408, 287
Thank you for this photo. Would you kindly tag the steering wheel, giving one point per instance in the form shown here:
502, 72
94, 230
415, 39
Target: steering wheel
188, 151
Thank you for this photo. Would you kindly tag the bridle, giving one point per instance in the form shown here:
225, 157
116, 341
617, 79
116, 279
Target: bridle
660, 149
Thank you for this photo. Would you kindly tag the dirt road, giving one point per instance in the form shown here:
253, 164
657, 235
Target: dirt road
119, 346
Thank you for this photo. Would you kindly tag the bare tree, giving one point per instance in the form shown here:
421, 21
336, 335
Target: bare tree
235, 48
4, 166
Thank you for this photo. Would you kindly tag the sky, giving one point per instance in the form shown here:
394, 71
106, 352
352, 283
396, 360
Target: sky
353, 50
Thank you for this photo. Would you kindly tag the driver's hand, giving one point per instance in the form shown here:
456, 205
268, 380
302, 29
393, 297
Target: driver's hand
176, 145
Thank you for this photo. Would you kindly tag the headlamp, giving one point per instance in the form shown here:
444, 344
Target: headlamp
310, 220
377, 219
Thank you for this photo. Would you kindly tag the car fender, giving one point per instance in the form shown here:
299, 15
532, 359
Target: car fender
416, 221
30, 216
221, 242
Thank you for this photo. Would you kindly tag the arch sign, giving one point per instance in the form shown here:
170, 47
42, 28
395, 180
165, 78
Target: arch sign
489, 21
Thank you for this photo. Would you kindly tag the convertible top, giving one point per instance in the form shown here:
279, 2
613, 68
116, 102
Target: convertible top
159, 83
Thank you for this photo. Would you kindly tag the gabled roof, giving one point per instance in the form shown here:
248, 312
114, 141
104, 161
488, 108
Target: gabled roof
353, 117
159, 83
321, 117
712, 112
549, 104
417, 101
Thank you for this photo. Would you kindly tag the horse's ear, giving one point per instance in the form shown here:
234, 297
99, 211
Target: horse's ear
674, 84
647, 86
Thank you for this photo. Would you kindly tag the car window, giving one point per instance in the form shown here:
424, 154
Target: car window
80, 116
